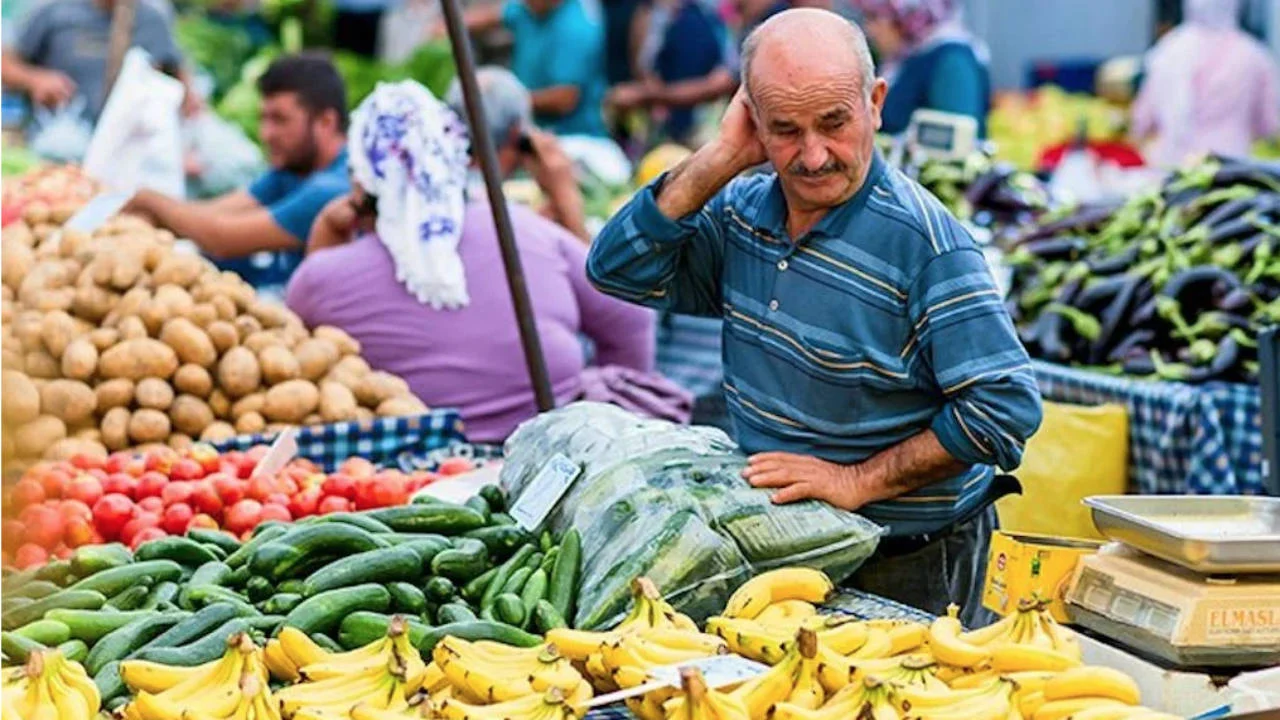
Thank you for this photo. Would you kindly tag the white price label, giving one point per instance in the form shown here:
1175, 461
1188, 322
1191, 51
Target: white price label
284, 449
544, 491
717, 670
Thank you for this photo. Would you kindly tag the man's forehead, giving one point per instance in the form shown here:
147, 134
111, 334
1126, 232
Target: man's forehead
832, 97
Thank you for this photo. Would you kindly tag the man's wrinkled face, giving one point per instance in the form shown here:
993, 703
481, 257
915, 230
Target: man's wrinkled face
288, 132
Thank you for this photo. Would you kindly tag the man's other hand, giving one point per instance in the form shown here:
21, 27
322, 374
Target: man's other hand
800, 477
50, 88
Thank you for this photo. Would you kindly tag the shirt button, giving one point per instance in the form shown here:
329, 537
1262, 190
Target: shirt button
782, 265
773, 304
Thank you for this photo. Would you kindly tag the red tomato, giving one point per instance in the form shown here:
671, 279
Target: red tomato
146, 535
275, 511
341, 485
177, 492
98, 473
305, 502
228, 468
30, 555
390, 490
136, 467
54, 481
206, 455
245, 466
286, 485
62, 552
151, 504
74, 509
85, 488
14, 531
229, 489
121, 483
364, 499
186, 469
259, 488
176, 518
161, 460
141, 521
242, 516
44, 525
111, 513
151, 484
83, 461
455, 466
204, 498
79, 531
202, 521
277, 498
357, 467
117, 462
26, 491
333, 504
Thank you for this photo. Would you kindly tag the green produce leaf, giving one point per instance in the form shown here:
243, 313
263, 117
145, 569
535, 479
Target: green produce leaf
1085, 325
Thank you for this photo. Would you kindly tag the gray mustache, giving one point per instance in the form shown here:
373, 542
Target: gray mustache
829, 168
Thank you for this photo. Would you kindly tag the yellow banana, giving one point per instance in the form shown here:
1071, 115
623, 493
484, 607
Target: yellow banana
334, 691
278, 662
948, 648
300, 649
878, 645
765, 589
1029, 703
74, 675
1093, 682
762, 692
974, 680
786, 614
550, 706
685, 640
842, 633
143, 675
1104, 712
750, 639
1065, 640
807, 689
1061, 709
43, 707
991, 633
365, 711
578, 645
433, 679
1016, 658
69, 702
699, 702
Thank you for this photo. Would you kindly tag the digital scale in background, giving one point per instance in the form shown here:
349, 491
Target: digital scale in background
934, 135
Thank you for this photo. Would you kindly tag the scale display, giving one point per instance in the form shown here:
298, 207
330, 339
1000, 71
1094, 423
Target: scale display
941, 135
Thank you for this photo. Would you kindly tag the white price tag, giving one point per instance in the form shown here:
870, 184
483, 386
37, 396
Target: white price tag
717, 670
544, 491
94, 213
284, 449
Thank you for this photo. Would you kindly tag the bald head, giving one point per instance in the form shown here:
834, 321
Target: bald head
808, 45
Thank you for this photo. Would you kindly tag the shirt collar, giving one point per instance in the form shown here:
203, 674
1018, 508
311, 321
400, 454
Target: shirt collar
773, 211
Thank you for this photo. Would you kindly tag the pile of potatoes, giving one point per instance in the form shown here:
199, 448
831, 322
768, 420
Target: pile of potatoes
120, 340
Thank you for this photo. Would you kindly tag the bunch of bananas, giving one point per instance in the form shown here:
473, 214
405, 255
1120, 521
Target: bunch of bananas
1085, 693
770, 589
768, 642
490, 673
48, 687
1026, 640
698, 702
233, 686
551, 705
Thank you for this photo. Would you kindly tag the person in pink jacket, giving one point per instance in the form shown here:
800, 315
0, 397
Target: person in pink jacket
1209, 88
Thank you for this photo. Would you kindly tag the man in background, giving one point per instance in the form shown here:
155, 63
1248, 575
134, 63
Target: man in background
260, 233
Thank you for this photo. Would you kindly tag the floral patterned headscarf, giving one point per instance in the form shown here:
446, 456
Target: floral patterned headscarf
915, 19
409, 150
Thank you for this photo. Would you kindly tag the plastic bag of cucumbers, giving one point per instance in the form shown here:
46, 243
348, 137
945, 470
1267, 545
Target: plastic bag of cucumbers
668, 502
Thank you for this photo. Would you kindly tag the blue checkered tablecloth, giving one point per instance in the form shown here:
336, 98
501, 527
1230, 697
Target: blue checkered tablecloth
381, 440
1183, 439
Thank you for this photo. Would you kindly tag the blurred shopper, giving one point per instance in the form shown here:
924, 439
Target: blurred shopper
1209, 88
409, 264
929, 58
260, 232
509, 111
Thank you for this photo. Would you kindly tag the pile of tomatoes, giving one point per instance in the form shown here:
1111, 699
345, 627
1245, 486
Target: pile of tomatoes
58, 506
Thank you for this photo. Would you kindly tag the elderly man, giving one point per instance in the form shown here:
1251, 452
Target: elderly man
868, 359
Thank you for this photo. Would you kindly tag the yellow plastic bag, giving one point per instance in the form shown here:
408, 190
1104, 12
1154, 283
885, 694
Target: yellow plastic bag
1078, 451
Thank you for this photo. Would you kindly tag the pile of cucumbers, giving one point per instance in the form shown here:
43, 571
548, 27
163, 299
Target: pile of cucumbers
466, 570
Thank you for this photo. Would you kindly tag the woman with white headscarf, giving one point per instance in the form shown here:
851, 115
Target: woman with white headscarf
409, 265
1209, 88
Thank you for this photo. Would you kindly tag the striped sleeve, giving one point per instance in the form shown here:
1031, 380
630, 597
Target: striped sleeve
966, 337
645, 257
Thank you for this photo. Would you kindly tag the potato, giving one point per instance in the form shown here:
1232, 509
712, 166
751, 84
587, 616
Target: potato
149, 425
346, 344
401, 405
179, 269
313, 419
274, 428
337, 402
374, 388
364, 414
190, 415
33, 438
35, 213
193, 380
80, 359
132, 328
261, 340
56, 299
224, 306
154, 393
93, 303
73, 243
178, 441
220, 404
217, 431
278, 365
250, 423
126, 267
291, 401
67, 448
154, 314
270, 315
21, 231
104, 338
91, 433
68, 400
57, 332
295, 333
203, 315
253, 402
114, 393
190, 343
176, 299
137, 359
246, 325
315, 357
39, 364
238, 372
16, 260
21, 398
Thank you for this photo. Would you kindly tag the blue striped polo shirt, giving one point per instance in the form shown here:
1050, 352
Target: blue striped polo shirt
879, 323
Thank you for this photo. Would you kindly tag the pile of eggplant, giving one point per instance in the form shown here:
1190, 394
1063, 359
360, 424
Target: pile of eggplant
1173, 284
987, 193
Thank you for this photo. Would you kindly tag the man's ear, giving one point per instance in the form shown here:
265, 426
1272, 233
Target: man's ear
878, 93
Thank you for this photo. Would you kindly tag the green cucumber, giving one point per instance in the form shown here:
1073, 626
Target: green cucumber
208, 647
195, 597
535, 589
215, 538
535, 561
544, 541
15, 603
295, 585
268, 625
467, 559
427, 547
117, 580
17, 648
516, 582
440, 589
444, 518
14, 582
502, 540
241, 557
508, 608
92, 625
547, 618
454, 612
486, 614
406, 598
502, 519
493, 495
382, 565
130, 599
237, 577
474, 590
111, 686
326, 643
37, 589
74, 650
118, 644
214, 572
58, 572
258, 589
362, 627
549, 560
475, 630
480, 505
87, 560
281, 603
504, 574
46, 632
266, 525
69, 598
196, 626
364, 522
162, 597
324, 612
182, 550
563, 585
286, 556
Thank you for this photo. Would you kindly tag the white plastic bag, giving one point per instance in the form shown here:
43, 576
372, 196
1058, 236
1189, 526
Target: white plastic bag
404, 27
227, 158
61, 135
137, 143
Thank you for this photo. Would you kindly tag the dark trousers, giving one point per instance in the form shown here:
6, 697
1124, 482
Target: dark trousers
949, 569
357, 32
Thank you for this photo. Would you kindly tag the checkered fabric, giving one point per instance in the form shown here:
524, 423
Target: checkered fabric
1183, 439
381, 440
478, 454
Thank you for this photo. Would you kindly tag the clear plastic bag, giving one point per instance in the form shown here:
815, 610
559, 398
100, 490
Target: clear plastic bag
669, 502
228, 159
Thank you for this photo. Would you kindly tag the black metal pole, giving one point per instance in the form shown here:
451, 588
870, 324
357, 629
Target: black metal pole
482, 143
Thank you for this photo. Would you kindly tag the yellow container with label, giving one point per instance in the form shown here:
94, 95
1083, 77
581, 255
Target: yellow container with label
1026, 565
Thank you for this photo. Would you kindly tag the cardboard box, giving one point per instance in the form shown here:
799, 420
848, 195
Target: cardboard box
1023, 565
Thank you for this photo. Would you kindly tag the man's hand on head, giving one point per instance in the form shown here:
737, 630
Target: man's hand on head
739, 142
800, 477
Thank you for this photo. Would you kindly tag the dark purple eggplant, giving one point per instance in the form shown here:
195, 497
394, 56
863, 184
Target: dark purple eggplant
1233, 229
1234, 209
1113, 264
1224, 360
1143, 313
1139, 365
1112, 316
1054, 249
1194, 288
1085, 218
985, 183
1100, 293
1135, 342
